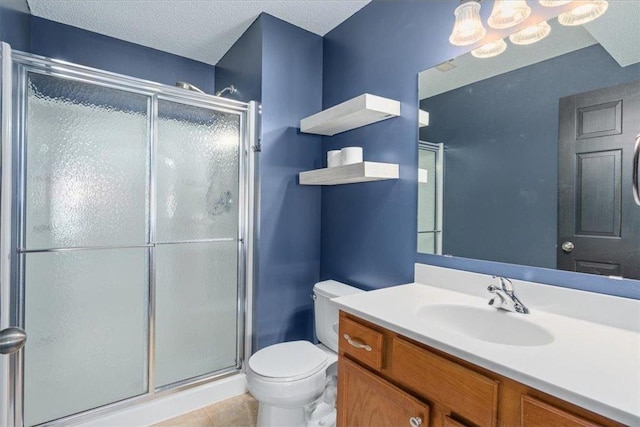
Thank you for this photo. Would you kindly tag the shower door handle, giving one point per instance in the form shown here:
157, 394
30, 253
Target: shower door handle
12, 339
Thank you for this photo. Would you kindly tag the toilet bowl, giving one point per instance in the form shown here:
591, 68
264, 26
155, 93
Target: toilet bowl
286, 378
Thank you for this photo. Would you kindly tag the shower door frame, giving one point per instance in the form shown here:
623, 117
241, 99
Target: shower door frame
438, 148
249, 146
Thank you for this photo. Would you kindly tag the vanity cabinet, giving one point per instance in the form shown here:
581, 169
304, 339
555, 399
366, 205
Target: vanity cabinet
385, 379
376, 402
536, 413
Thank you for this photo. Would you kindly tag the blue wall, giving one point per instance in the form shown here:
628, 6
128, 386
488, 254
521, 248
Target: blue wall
281, 66
369, 230
273, 62
47, 38
15, 24
83, 47
501, 158
241, 66
289, 259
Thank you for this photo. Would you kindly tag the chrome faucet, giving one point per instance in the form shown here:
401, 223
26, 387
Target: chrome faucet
505, 297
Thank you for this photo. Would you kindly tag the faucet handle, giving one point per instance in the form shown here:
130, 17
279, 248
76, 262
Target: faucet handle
505, 285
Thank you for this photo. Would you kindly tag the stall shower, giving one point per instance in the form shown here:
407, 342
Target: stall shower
127, 214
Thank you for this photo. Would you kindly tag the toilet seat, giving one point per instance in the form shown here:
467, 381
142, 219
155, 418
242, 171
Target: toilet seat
289, 361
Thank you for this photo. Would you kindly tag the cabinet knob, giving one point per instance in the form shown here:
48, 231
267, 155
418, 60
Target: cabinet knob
415, 421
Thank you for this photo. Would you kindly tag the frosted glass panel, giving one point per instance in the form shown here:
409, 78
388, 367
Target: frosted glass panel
86, 319
86, 151
197, 173
196, 309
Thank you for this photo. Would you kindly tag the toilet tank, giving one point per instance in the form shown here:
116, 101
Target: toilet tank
326, 313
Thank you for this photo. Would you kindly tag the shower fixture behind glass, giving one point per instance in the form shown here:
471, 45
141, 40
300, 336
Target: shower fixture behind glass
132, 222
188, 86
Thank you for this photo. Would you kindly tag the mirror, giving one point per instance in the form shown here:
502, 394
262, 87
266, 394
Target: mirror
538, 151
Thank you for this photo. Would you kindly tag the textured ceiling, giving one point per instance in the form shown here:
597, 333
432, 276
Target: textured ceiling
618, 31
198, 29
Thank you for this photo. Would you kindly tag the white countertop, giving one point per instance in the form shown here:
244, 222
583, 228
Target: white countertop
590, 364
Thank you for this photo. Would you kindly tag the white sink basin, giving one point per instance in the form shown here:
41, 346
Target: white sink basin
486, 324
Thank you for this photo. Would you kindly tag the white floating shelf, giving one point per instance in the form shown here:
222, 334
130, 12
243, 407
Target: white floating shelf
354, 113
349, 174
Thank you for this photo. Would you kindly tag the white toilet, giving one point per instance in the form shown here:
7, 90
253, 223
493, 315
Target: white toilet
286, 377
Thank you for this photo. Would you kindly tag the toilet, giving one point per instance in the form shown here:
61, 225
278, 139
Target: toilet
287, 377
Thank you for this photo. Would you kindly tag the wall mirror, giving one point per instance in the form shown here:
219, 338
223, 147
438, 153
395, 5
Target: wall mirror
536, 151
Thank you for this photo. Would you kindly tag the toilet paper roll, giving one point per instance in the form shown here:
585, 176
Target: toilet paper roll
334, 158
351, 155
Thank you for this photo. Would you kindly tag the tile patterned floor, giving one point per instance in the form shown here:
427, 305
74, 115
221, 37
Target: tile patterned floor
239, 411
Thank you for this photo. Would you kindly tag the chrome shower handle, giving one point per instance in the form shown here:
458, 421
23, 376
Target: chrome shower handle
636, 155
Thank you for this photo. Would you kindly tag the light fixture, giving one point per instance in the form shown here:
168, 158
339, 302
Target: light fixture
554, 3
490, 49
586, 11
531, 34
508, 13
468, 27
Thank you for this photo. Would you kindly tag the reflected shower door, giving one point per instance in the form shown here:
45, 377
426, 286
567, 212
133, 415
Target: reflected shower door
430, 173
197, 242
83, 246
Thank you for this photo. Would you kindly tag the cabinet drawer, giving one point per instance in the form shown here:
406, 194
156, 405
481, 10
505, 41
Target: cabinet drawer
366, 400
536, 413
471, 395
361, 342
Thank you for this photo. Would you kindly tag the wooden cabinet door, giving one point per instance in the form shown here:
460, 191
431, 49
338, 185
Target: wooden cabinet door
536, 413
365, 400
468, 393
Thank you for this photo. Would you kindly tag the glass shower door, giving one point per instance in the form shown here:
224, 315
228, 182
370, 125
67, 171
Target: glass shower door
196, 242
84, 246
127, 238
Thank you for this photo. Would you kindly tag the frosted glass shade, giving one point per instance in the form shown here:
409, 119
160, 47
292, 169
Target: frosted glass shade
468, 27
554, 3
531, 34
490, 49
508, 13
587, 11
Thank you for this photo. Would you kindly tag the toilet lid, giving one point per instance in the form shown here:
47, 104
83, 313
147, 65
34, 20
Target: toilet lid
288, 361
